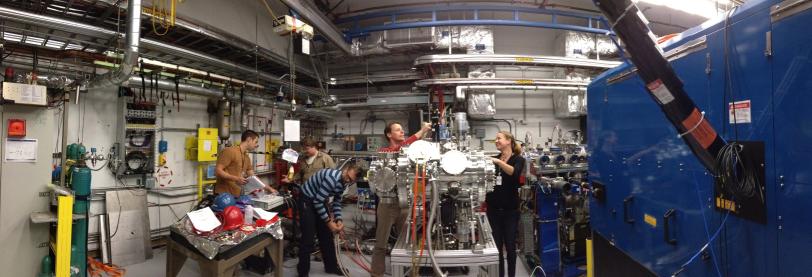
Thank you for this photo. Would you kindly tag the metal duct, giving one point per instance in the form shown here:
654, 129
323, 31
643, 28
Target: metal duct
467, 37
125, 69
135, 81
320, 22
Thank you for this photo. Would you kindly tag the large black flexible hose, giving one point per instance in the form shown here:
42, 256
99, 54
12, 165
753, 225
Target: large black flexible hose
662, 82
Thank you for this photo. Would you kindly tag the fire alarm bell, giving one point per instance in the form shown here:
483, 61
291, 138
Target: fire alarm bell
16, 127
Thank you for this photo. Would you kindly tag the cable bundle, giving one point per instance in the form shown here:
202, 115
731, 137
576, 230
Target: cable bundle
735, 175
96, 268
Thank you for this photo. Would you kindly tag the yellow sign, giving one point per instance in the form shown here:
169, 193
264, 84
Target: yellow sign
274, 144
725, 204
524, 59
524, 82
650, 220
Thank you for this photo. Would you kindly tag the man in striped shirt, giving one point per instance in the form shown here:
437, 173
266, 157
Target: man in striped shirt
316, 219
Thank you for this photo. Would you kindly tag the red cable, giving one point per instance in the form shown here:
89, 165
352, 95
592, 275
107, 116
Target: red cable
358, 262
441, 99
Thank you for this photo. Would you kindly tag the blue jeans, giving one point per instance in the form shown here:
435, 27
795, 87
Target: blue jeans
310, 226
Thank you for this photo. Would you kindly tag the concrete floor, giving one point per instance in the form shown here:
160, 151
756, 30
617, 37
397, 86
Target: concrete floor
156, 266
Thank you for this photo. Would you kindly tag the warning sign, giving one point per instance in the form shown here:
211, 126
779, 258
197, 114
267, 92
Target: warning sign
699, 128
658, 89
739, 112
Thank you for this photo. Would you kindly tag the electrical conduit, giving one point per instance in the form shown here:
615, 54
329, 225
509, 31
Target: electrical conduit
435, 199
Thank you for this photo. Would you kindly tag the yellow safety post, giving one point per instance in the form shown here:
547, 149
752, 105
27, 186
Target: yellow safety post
64, 225
590, 261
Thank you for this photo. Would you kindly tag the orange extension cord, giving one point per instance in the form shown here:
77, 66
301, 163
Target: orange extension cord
96, 268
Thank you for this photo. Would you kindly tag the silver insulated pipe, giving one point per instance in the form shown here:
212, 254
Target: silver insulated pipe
125, 69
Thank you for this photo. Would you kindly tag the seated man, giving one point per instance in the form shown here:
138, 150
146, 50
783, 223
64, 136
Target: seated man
316, 219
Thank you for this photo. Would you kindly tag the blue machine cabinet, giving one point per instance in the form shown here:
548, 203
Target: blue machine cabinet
651, 180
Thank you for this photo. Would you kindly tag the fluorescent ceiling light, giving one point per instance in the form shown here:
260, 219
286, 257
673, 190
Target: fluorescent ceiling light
703, 8
34, 40
12, 36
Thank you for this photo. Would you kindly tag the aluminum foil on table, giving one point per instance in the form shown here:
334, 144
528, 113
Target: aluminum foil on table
211, 245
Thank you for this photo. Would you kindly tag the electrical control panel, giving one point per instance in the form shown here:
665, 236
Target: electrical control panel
136, 136
207, 144
25, 94
203, 147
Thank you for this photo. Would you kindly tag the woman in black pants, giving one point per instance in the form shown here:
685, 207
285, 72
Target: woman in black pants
503, 201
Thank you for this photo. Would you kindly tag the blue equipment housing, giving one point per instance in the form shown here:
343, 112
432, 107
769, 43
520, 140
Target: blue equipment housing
654, 203
549, 203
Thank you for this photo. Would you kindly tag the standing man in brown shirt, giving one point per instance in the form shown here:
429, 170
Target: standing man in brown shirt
312, 161
234, 165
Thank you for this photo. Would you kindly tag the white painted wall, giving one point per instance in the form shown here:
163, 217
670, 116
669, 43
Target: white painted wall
249, 20
524, 40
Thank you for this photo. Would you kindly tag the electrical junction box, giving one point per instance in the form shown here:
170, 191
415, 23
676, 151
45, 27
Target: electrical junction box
207, 139
203, 147
210, 172
286, 24
259, 124
25, 94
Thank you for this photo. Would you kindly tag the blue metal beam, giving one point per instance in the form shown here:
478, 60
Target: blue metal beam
595, 23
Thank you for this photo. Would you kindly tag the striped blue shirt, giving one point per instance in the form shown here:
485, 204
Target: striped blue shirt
323, 184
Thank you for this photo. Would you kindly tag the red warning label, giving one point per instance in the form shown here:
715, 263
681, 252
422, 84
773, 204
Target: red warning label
739, 112
660, 91
699, 128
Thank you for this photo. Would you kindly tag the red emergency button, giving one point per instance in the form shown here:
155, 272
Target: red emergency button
16, 127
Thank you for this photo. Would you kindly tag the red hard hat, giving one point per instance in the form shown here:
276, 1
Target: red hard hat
232, 218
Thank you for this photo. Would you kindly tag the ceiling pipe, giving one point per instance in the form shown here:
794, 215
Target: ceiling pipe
215, 33
248, 71
320, 22
64, 81
125, 69
94, 31
54, 22
135, 82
